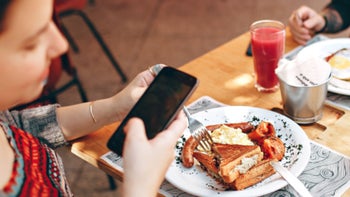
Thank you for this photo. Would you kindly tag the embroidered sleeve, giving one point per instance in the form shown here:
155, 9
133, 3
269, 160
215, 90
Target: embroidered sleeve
40, 122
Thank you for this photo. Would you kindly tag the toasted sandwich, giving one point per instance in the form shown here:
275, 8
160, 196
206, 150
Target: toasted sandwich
230, 162
257, 173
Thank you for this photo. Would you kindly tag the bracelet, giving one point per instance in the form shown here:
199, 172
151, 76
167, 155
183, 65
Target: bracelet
325, 25
91, 111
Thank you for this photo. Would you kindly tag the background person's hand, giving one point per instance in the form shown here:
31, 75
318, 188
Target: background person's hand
304, 23
146, 161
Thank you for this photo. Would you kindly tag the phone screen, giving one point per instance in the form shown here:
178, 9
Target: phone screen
158, 106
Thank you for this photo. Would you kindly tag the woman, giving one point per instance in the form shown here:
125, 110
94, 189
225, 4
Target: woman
29, 40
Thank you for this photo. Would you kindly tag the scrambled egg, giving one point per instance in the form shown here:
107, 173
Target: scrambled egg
228, 135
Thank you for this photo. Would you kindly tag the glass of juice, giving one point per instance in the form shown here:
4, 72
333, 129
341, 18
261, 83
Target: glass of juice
268, 43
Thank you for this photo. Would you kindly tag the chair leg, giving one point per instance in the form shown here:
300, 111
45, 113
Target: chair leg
99, 39
111, 181
80, 88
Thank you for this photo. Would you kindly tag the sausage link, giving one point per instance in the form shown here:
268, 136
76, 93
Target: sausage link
187, 152
246, 127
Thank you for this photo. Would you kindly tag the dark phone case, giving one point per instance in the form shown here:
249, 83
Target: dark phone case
249, 50
176, 80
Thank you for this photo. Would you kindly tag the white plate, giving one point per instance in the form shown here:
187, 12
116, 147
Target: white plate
196, 181
323, 49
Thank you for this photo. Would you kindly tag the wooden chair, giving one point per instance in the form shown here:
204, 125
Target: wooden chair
66, 8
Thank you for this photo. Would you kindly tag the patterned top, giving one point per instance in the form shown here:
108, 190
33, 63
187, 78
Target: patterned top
37, 169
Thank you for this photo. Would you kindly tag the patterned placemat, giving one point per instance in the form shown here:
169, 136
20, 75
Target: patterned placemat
327, 173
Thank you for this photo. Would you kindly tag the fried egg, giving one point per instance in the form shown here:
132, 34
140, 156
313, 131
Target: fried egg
340, 64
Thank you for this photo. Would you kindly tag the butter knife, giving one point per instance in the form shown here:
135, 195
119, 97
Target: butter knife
291, 179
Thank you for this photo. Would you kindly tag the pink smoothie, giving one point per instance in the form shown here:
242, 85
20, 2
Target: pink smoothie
267, 48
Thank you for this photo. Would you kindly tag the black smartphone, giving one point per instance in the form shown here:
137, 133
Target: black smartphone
249, 50
159, 104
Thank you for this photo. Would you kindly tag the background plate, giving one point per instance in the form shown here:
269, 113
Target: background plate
323, 49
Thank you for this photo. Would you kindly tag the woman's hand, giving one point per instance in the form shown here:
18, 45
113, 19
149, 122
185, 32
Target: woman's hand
146, 161
304, 23
131, 93
94, 115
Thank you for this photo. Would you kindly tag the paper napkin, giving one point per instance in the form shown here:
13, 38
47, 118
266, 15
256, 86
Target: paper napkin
304, 72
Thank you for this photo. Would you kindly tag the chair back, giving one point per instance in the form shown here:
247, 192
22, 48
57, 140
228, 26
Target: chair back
64, 5
54, 74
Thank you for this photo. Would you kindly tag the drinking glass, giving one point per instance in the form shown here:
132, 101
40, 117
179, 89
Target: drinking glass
268, 43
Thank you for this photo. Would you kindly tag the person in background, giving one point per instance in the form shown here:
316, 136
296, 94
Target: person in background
305, 22
29, 166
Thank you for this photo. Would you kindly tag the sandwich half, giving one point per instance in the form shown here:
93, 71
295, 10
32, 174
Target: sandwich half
230, 162
256, 174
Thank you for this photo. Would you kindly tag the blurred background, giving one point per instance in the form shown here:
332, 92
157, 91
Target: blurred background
141, 33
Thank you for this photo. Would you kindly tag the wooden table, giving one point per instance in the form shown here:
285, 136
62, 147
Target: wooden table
226, 74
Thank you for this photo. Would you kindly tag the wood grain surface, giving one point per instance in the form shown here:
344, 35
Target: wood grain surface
226, 74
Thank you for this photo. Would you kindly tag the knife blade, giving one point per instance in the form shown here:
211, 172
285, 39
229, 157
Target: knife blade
291, 179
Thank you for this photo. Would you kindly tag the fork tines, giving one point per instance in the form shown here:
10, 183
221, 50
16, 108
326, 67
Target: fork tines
204, 139
199, 132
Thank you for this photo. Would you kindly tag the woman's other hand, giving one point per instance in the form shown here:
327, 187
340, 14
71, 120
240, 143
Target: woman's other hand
146, 161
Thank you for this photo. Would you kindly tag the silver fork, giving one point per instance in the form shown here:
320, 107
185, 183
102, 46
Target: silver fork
199, 132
